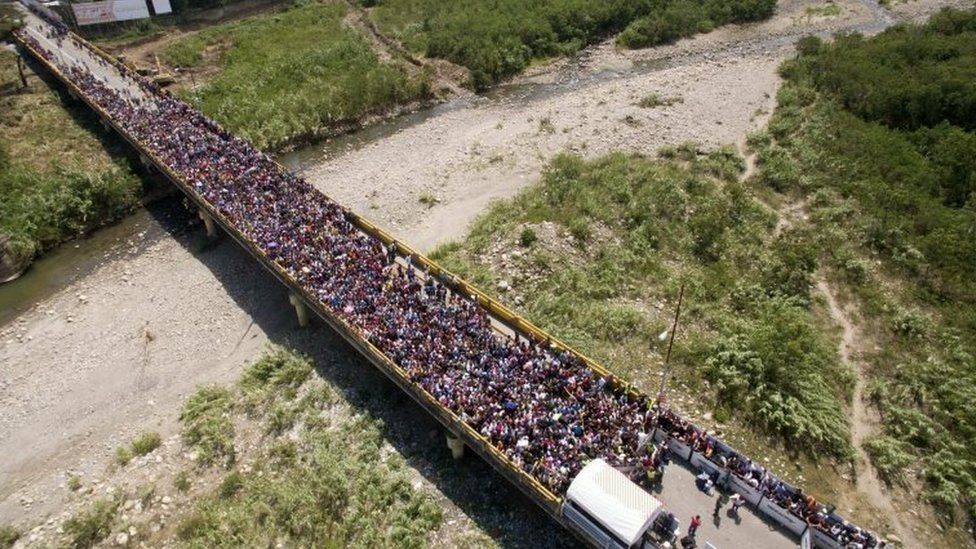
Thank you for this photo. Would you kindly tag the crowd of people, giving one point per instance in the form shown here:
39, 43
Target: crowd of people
538, 404
541, 406
803, 506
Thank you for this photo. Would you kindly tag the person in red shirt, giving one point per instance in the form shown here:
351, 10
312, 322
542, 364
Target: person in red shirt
693, 527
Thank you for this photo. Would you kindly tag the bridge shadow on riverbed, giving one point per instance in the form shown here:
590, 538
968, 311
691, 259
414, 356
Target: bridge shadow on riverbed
498, 508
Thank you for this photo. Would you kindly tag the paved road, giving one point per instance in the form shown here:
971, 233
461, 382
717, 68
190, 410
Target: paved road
678, 491
680, 496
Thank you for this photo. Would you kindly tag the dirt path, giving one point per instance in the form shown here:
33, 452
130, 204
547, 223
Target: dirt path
448, 79
864, 421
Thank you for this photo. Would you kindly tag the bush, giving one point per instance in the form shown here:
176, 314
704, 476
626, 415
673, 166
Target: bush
278, 372
74, 483
123, 455
182, 482
682, 18
88, 527
231, 485
146, 443
776, 368
8, 536
527, 237
207, 427
653, 100
890, 457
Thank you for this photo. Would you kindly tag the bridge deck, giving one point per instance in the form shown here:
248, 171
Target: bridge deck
677, 493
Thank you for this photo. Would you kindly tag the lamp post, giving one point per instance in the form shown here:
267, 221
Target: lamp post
661, 396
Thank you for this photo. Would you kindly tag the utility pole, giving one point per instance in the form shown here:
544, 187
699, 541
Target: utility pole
20, 70
661, 395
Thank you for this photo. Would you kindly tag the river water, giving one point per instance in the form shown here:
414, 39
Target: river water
74, 260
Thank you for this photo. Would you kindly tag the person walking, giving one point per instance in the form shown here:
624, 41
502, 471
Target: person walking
737, 501
693, 527
719, 502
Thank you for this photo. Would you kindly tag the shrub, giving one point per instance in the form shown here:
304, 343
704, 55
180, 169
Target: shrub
123, 455
8, 536
653, 100
527, 237
146, 443
910, 324
207, 427
890, 457
182, 482
231, 485
88, 527
74, 483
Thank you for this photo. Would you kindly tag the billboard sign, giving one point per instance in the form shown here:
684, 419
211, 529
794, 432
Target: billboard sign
109, 11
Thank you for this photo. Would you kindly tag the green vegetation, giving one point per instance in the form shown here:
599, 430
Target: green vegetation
648, 225
498, 38
57, 180
329, 485
8, 536
653, 100
829, 9
207, 426
670, 21
182, 481
9, 21
123, 455
92, 525
877, 137
146, 443
287, 75
74, 483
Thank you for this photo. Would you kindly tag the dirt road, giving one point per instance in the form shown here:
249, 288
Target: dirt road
116, 351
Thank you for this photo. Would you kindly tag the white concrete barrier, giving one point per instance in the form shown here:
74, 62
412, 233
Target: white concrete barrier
740, 486
824, 541
782, 516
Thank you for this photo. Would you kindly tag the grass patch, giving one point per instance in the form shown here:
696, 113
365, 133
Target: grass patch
207, 426
182, 482
8, 536
92, 525
123, 455
330, 484
73, 483
185, 52
830, 9
146, 443
57, 179
653, 100
289, 74
428, 199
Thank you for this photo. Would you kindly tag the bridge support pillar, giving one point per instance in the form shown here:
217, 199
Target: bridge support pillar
456, 446
300, 309
208, 222
145, 162
106, 125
